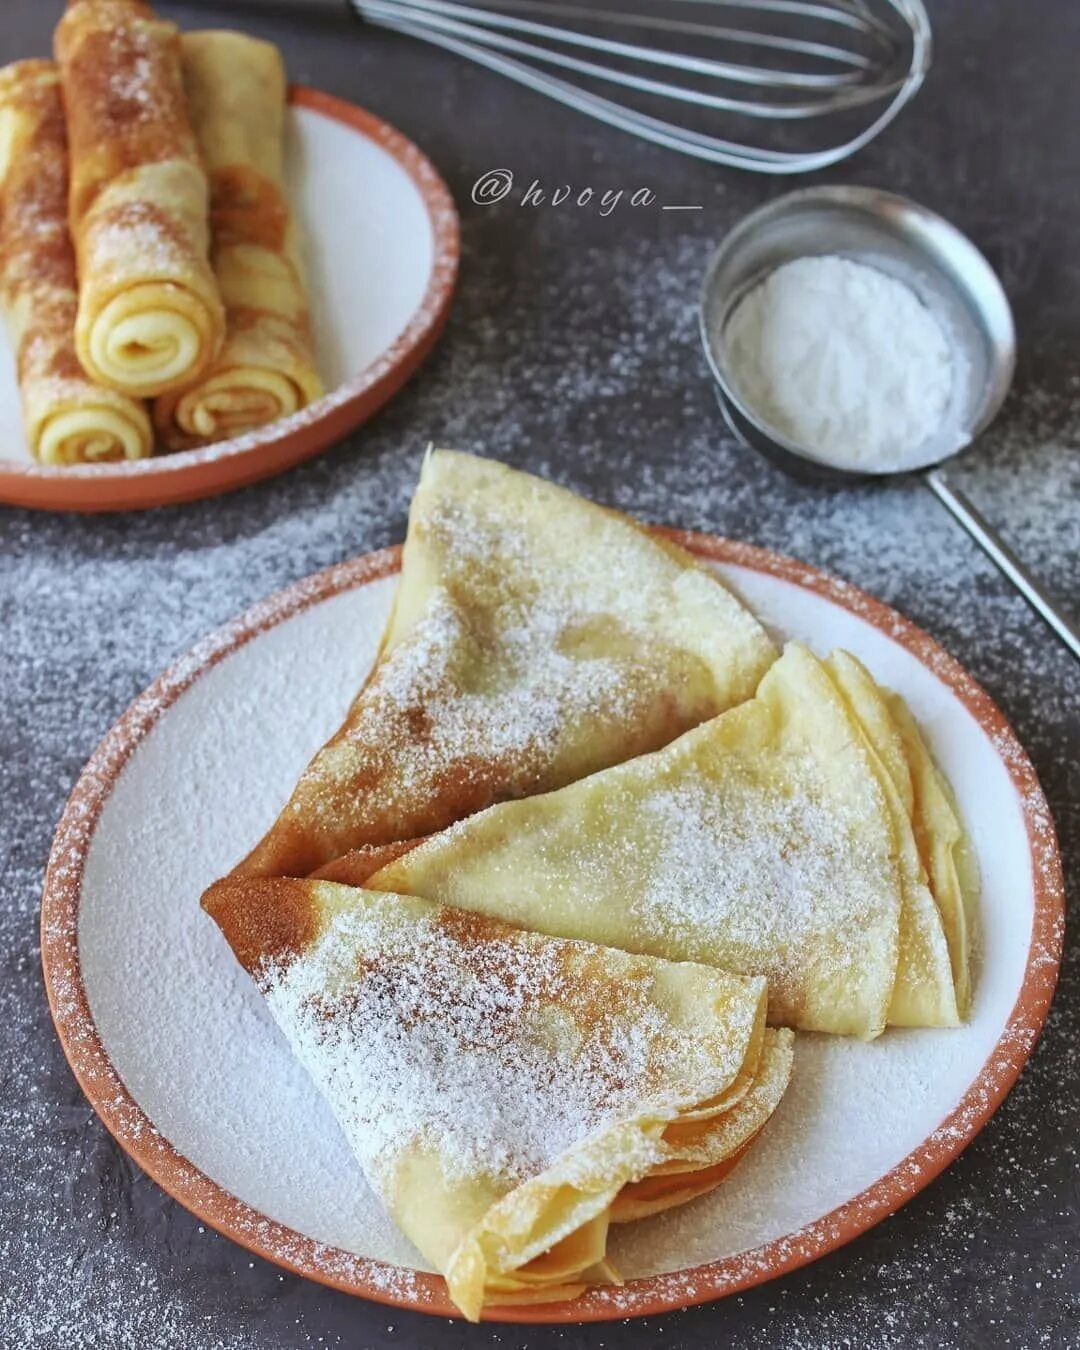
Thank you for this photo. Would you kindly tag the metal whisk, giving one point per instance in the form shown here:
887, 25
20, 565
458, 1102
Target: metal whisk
773, 61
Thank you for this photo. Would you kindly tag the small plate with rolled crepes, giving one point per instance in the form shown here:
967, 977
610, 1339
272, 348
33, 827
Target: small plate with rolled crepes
206, 276
659, 914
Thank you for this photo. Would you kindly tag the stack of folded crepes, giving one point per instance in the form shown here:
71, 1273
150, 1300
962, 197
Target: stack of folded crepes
603, 747
509, 1095
107, 279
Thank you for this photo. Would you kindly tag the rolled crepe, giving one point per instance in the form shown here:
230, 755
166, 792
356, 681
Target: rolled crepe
236, 96
535, 638
150, 317
508, 1095
68, 419
768, 841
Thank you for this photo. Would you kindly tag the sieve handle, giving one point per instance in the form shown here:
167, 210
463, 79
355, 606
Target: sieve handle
995, 548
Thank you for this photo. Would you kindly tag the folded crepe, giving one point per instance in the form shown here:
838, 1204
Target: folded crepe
507, 1094
944, 848
68, 419
769, 841
924, 993
150, 317
235, 89
535, 638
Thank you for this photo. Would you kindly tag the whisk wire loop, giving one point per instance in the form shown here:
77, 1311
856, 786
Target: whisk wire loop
885, 63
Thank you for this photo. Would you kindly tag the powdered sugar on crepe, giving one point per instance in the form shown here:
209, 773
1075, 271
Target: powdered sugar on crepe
513, 664
517, 718
766, 870
493, 1052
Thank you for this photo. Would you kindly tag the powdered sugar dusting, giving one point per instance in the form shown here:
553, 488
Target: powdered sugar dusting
511, 668
573, 350
494, 1053
519, 720
741, 863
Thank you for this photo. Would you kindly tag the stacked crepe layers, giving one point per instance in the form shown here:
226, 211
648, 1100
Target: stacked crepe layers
578, 752
147, 250
805, 835
509, 1095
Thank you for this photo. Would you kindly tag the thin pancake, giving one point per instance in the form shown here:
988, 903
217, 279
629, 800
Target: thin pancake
150, 317
67, 417
945, 849
500, 1088
535, 638
235, 88
924, 995
761, 842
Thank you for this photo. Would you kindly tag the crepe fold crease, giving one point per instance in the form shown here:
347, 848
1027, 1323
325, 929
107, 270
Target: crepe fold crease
68, 419
535, 638
778, 839
236, 89
508, 1095
150, 317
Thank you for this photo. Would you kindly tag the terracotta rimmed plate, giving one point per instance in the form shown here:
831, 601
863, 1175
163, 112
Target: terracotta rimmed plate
381, 248
177, 1054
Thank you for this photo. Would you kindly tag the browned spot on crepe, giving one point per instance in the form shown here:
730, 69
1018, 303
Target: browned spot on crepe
37, 247
469, 929
123, 93
247, 208
461, 788
65, 364
575, 978
270, 921
146, 216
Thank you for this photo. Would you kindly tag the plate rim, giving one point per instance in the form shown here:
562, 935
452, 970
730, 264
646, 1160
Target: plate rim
187, 475
421, 1291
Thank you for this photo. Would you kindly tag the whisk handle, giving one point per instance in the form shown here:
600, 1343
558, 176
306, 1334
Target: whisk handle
296, 8
995, 548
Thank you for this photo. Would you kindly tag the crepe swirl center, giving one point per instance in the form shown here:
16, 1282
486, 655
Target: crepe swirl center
235, 400
99, 436
141, 341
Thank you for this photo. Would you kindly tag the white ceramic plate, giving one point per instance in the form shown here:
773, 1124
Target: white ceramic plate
381, 251
179, 1055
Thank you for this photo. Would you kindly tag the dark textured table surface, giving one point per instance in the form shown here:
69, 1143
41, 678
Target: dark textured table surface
572, 350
